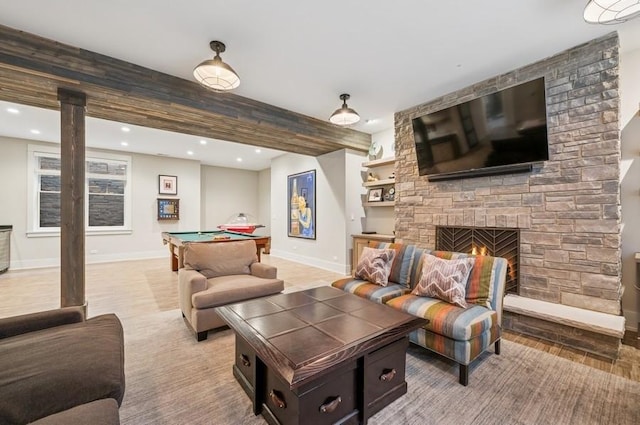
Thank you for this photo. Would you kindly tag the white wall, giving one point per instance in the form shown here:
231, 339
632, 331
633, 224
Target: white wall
225, 192
143, 242
381, 219
629, 86
13, 171
264, 201
208, 197
328, 250
354, 196
630, 183
387, 140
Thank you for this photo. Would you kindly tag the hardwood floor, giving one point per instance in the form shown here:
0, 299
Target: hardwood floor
134, 288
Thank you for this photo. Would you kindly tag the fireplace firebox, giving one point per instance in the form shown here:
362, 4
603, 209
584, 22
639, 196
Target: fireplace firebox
494, 241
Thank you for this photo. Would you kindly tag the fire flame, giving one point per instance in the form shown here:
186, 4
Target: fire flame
481, 251
511, 271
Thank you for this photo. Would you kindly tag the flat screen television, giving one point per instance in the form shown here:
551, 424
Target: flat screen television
502, 132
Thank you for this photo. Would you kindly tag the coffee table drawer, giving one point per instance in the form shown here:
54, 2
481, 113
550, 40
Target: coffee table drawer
384, 375
246, 364
329, 400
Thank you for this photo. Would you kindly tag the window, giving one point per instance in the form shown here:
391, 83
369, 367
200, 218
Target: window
107, 192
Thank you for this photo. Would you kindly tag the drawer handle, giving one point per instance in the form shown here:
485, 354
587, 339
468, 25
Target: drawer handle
277, 400
331, 406
387, 375
245, 360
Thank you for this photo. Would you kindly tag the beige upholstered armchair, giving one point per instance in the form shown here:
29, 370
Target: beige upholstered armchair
216, 274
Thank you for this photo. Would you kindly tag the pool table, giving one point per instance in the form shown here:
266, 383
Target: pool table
177, 241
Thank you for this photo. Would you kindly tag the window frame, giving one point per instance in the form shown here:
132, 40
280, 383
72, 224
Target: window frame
33, 202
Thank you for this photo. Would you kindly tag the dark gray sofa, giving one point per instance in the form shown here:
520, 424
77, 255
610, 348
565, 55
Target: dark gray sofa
56, 367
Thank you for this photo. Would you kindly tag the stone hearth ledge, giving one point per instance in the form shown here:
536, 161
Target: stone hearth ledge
593, 321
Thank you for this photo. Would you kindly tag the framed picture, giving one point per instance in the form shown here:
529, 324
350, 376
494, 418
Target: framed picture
167, 185
168, 209
301, 203
375, 195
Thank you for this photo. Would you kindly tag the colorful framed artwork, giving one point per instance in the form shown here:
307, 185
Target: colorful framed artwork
301, 203
168, 209
167, 185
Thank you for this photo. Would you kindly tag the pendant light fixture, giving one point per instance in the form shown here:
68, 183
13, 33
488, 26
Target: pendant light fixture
214, 73
344, 115
611, 11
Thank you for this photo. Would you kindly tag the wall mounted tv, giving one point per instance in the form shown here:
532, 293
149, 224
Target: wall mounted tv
499, 133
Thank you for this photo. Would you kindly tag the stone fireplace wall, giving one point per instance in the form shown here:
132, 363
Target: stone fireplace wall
567, 208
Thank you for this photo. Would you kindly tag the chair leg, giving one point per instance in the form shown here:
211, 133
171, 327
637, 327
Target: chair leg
201, 336
464, 374
497, 347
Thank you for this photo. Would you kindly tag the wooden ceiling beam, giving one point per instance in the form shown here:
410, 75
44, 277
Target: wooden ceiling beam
32, 69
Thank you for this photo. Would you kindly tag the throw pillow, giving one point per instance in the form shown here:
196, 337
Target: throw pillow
444, 279
374, 265
482, 280
401, 266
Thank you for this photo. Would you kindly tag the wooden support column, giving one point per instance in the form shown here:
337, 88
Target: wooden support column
72, 153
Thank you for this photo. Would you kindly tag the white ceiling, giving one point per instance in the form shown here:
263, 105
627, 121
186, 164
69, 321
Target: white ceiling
109, 135
299, 55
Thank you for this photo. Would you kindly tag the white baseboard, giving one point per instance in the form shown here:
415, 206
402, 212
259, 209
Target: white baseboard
145, 255
315, 262
90, 259
130, 256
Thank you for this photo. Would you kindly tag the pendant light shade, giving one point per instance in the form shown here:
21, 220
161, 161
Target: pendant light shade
611, 11
344, 115
214, 73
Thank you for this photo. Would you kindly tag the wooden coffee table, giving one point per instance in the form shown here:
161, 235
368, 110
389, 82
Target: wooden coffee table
320, 356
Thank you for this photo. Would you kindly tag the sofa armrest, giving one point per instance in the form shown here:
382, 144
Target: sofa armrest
265, 271
499, 282
17, 325
189, 282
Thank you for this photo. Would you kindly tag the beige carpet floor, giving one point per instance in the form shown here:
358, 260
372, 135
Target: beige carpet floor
172, 379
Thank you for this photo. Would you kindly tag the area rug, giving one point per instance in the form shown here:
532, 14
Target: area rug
172, 379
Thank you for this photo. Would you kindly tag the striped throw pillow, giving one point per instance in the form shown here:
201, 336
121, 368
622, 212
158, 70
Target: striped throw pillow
401, 266
482, 279
444, 279
374, 265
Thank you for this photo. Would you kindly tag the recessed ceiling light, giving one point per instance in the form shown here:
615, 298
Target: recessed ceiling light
125, 129
189, 152
123, 143
13, 111
239, 159
34, 131
258, 151
203, 142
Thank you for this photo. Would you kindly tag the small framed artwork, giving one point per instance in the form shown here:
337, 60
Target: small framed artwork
375, 195
167, 185
168, 209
